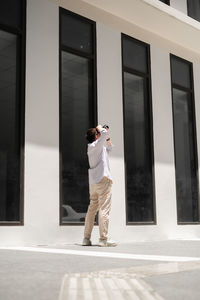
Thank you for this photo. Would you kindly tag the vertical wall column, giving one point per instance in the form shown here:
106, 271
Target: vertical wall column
42, 120
109, 86
163, 141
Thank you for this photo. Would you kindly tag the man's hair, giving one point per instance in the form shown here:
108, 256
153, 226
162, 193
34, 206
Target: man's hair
90, 135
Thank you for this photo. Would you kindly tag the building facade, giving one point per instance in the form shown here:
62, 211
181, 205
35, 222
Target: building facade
69, 65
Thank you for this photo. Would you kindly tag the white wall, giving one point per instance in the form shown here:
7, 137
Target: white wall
41, 194
163, 141
41, 199
42, 132
180, 5
110, 111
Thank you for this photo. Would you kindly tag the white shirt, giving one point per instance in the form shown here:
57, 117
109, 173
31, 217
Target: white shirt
98, 158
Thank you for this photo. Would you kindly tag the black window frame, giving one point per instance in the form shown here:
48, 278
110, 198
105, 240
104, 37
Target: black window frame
191, 91
20, 100
148, 77
85, 55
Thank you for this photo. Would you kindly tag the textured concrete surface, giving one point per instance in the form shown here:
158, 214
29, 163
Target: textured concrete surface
32, 273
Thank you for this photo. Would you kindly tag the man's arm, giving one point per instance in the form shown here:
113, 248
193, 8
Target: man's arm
109, 145
103, 135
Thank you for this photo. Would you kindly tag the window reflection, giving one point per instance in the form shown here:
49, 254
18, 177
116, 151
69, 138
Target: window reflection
76, 95
186, 180
9, 130
137, 145
77, 113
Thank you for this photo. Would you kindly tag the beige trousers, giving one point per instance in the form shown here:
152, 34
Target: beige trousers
100, 200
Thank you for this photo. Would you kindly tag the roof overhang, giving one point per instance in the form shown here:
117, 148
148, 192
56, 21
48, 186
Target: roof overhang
157, 18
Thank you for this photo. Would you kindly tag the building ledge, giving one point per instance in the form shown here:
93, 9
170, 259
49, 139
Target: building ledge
173, 13
156, 17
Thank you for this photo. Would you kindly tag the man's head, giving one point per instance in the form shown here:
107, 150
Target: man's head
92, 135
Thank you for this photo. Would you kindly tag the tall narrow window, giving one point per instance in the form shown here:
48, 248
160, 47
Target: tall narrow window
185, 141
194, 9
12, 58
138, 143
77, 112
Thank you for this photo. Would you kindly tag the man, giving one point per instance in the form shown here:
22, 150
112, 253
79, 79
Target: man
100, 184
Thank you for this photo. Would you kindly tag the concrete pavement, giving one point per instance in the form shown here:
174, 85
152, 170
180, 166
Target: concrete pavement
151, 270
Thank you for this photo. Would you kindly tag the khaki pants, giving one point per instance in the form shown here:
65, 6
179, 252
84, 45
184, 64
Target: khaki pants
100, 200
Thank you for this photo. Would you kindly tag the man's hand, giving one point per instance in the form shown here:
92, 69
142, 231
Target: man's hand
98, 128
108, 141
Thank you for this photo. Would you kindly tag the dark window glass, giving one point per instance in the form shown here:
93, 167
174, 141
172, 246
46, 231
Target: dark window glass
138, 144
10, 13
80, 32
194, 9
185, 150
11, 113
165, 1
9, 143
134, 55
180, 73
77, 114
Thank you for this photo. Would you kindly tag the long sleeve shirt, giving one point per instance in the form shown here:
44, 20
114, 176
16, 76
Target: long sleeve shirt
98, 158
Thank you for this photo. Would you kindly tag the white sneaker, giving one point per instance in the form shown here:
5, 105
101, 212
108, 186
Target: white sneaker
107, 243
86, 242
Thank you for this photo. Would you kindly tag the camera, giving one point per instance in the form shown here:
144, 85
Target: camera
106, 126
